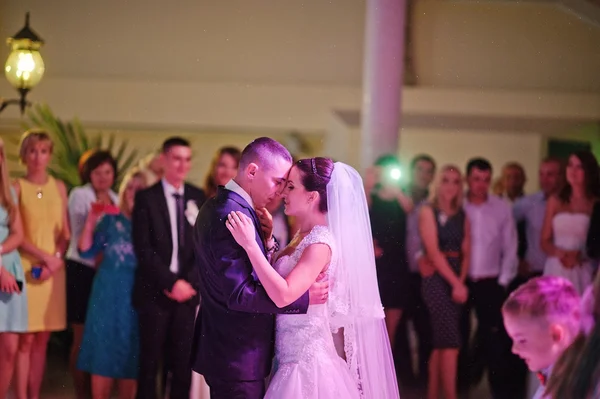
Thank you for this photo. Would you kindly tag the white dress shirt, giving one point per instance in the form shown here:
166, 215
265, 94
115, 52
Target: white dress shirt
493, 240
172, 206
236, 188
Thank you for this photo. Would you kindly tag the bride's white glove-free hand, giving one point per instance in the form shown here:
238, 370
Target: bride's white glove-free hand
242, 229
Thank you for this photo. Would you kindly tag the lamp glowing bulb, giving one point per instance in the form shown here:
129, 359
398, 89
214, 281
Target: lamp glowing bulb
24, 68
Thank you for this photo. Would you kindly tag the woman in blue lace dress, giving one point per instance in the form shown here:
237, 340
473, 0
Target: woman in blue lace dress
110, 347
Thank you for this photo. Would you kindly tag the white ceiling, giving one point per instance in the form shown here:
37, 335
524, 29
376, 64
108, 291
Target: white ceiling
458, 44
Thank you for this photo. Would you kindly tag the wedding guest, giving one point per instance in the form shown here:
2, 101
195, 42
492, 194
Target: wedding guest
388, 207
511, 184
445, 232
152, 167
43, 207
577, 372
110, 345
164, 291
98, 174
543, 319
531, 210
493, 265
13, 295
422, 172
567, 220
223, 168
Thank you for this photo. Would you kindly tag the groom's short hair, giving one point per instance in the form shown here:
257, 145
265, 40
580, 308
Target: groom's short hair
262, 151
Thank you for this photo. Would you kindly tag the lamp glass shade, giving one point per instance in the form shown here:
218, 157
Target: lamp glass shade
24, 68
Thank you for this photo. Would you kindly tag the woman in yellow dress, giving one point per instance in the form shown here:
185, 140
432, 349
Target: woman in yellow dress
43, 207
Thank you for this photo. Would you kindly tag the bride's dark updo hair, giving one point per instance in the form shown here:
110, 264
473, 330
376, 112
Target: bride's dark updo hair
316, 174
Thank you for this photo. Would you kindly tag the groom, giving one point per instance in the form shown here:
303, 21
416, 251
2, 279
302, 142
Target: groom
233, 342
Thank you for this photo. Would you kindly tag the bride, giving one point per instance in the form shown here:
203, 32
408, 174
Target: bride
339, 349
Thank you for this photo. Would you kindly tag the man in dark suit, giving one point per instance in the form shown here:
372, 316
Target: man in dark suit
233, 343
166, 281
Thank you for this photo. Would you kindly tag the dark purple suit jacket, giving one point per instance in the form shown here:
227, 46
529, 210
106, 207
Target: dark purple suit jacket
234, 336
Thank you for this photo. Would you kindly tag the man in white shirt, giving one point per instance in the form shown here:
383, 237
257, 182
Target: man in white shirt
493, 266
166, 283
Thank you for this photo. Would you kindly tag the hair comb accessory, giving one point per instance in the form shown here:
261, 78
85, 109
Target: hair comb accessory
314, 165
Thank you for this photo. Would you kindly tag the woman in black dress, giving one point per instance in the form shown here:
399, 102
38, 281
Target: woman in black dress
388, 210
444, 230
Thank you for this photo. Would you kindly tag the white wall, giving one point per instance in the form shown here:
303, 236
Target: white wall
267, 67
205, 143
511, 45
457, 147
282, 65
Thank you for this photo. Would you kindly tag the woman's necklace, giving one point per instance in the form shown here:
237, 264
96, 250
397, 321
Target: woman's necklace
39, 192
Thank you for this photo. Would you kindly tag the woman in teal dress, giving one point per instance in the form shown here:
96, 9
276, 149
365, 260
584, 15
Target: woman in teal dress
13, 299
110, 347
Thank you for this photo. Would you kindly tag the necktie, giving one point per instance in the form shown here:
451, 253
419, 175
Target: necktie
180, 220
542, 377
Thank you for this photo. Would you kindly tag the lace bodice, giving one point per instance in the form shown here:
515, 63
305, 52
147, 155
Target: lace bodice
306, 340
298, 337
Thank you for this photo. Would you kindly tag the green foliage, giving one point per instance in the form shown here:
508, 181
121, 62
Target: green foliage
71, 142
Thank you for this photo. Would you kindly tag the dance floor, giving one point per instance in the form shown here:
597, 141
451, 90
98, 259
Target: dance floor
58, 383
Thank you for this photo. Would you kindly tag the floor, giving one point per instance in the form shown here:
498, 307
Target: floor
58, 383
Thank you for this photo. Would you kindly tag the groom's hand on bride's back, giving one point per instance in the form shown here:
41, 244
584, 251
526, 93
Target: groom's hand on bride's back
319, 291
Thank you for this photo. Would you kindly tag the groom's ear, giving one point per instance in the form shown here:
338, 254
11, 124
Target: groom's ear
251, 170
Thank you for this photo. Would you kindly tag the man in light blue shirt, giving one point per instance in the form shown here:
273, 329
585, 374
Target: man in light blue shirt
531, 210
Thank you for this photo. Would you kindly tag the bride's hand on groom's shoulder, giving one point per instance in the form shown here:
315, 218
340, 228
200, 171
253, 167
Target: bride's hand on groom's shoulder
242, 229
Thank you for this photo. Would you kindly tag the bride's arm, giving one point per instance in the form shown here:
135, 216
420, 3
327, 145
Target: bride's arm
282, 291
547, 240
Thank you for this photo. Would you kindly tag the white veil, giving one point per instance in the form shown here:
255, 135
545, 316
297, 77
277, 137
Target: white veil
354, 300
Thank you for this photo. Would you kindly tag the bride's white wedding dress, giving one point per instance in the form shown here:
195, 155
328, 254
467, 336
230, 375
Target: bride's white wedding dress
306, 362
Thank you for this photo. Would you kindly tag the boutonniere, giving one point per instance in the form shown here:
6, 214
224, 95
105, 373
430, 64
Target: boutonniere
191, 212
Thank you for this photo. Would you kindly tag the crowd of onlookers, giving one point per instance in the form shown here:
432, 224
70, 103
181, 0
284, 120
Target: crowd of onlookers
451, 252
70, 260
451, 246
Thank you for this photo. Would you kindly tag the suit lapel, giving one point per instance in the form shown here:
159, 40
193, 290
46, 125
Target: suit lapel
163, 209
240, 200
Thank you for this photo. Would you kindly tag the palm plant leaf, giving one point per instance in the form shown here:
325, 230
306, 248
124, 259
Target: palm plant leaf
96, 141
71, 142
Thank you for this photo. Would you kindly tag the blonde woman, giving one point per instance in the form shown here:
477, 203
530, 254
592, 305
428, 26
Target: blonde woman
43, 207
110, 346
152, 167
13, 300
444, 230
